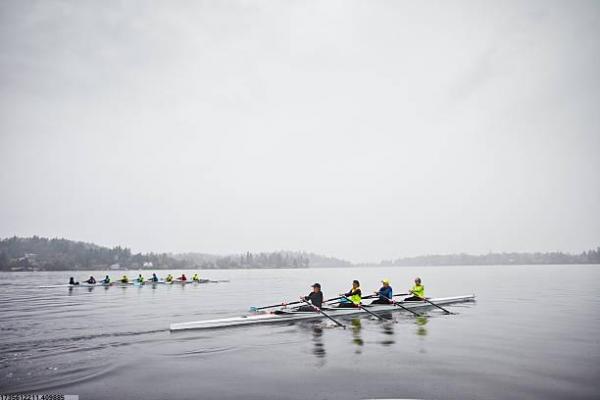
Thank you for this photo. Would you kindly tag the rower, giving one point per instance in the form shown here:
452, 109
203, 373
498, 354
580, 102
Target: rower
124, 279
196, 278
355, 296
169, 278
106, 280
418, 291
91, 281
140, 279
154, 278
385, 293
72, 281
182, 278
315, 297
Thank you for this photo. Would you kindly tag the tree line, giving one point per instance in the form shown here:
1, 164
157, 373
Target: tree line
586, 257
44, 254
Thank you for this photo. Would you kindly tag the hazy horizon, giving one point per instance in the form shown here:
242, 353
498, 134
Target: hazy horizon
373, 261
358, 130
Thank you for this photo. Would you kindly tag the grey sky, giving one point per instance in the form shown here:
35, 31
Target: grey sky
360, 129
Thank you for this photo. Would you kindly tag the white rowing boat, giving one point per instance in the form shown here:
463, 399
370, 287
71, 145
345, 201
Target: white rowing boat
287, 316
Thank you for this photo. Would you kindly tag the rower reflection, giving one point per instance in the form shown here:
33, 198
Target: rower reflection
421, 322
356, 326
319, 346
388, 330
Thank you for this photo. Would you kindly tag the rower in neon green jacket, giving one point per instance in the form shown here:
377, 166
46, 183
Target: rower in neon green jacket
418, 291
353, 297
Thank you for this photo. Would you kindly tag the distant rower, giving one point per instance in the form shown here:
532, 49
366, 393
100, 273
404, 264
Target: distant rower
72, 281
154, 278
182, 278
106, 280
124, 279
354, 295
140, 279
169, 278
91, 281
315, 297
385, 293
196, 278
418, 291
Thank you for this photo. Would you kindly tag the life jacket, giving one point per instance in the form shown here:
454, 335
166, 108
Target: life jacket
169, 278
418, 290
355, 298
195, 278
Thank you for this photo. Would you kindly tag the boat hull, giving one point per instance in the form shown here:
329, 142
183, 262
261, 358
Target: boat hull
289, 316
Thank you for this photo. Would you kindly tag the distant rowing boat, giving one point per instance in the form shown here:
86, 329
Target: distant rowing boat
134, 283
289, 316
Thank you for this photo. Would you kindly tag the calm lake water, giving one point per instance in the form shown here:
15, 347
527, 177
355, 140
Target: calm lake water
533, 333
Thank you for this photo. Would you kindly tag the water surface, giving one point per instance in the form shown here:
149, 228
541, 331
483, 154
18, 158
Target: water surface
531, 334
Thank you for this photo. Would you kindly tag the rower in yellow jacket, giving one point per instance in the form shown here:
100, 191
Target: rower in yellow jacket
195, 278
354, 295
418, 291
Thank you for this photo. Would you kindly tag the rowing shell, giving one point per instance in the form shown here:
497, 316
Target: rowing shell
134, 283
286, 316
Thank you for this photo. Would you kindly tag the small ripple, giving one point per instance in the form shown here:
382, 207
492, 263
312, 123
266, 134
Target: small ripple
203, 352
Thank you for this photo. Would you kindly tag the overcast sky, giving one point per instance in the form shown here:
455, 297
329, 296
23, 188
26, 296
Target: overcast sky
358, 129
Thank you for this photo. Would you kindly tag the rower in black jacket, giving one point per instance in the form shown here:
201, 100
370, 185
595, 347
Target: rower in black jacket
315, 298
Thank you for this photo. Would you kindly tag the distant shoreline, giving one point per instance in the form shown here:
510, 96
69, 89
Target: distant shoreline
43, 254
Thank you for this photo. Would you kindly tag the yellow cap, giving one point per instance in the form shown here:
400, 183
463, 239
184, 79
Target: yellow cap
386, 281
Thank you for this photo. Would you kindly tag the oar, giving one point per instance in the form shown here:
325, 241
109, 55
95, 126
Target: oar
432, 303
324, 314
367, 297
341, 297
364, 309
400, 305
286, 304
274, 305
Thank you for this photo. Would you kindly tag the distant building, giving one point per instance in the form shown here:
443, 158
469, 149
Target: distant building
148, 264
115, 266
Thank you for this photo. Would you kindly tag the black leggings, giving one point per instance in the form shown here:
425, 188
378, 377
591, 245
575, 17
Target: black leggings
381, 301
306, 309
347, 305
413, 298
